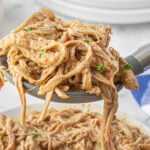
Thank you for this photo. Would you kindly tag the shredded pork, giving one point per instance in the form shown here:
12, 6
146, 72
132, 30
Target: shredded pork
67, 129
61, 56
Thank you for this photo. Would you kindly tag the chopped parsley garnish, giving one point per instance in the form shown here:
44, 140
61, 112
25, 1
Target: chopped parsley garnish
27, 29
116, 59
127, 66
86, 41
41, 52
99, 144
35, 135
100, 67
114, 116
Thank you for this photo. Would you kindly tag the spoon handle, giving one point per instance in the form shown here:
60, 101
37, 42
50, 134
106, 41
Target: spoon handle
140, 59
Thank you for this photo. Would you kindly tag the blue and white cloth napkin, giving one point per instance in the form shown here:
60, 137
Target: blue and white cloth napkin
142, 96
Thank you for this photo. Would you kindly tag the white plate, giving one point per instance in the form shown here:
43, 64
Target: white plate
113, 4
15, 112
1, 10
96, 11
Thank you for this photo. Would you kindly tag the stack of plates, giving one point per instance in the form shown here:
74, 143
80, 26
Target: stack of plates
106, 11
1, 10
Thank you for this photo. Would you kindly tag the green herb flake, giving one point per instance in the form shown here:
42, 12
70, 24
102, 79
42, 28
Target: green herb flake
42, 52
99, 144
115, 117
35, 135
127, 66
86, 41
116, 59
100, 67
26, 29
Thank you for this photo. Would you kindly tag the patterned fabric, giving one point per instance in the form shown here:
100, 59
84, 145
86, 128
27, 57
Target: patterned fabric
142, 96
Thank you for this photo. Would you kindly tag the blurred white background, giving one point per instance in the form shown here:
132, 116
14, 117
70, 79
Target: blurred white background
125, 38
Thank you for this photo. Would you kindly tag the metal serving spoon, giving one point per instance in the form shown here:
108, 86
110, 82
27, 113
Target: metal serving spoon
139, 60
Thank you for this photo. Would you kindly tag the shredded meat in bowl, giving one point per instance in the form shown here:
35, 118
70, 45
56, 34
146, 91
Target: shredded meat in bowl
67, 129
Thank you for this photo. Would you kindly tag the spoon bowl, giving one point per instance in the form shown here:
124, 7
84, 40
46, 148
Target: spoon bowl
138, 60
